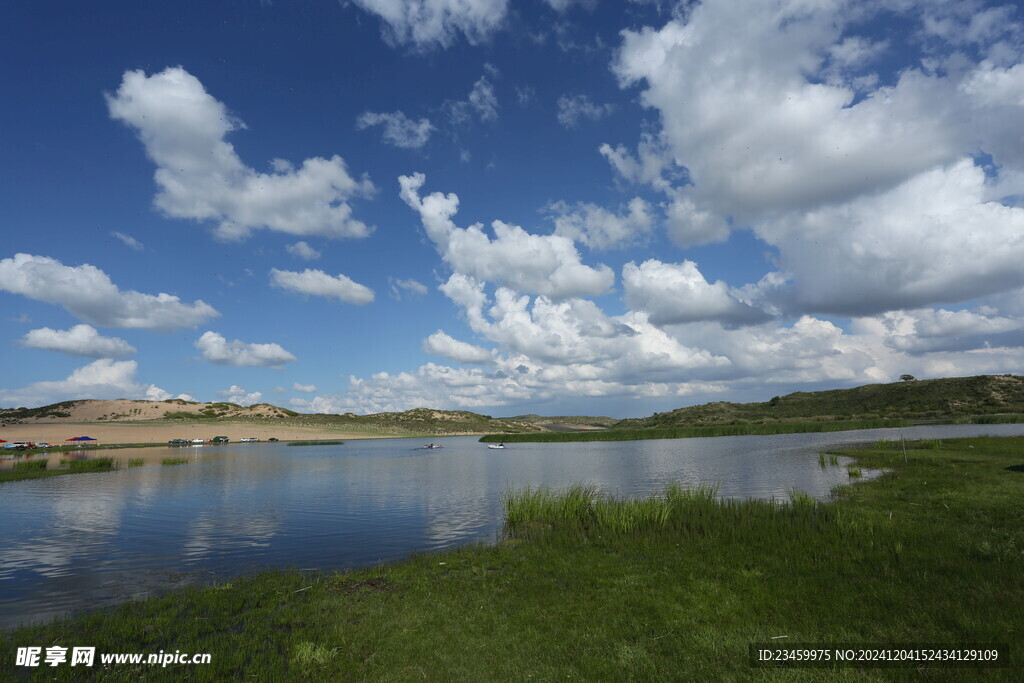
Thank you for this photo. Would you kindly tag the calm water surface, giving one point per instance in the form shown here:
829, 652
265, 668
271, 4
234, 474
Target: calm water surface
89, 540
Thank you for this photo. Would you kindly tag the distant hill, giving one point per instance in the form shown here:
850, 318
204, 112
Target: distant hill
566, 423
931, 399
416, 421
125, 410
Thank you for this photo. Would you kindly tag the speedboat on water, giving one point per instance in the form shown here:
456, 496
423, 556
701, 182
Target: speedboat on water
496, 446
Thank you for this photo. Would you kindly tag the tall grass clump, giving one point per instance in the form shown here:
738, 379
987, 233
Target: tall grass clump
581, 512
543, 505
798, 498
136, 462
95, 464
174, 461
30, 465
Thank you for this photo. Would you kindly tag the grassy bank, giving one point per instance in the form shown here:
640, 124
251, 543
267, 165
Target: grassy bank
754, 429
594, 588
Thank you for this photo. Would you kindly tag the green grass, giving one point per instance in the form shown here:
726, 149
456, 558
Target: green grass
699, 431
38, 469
136, 462
174, 461
316, 443
29, 465
92, 465
586, 586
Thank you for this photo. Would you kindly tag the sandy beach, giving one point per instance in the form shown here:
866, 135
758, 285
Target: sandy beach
162, 432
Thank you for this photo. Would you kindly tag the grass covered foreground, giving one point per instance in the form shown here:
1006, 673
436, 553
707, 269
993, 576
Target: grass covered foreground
674, 588
686, 432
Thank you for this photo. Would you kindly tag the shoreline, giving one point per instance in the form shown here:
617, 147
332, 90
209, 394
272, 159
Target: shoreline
159, 433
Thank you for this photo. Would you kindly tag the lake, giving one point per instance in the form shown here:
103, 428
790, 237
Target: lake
89, 540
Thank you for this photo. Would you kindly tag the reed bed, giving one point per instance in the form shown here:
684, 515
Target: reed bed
315, 443
136, 462
699, 431
681, 511
95, 464
174, 461
29, 465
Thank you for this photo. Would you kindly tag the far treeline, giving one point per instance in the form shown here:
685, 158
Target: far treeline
985, 398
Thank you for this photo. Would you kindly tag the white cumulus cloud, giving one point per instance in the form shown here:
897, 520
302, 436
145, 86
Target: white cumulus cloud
102, 379
80, 340
933, 239
236, 394
673, 293
541, 264
303, 251
308, 388
201, 177
399, 130
87, 293
437, 23
599, 228
316, 282
410, 286
219, 350
441, 344
573, 108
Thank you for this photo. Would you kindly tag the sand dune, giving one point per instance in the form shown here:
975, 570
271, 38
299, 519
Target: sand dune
161, 432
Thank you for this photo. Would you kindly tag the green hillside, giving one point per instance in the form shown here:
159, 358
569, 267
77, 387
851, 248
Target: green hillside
932, 399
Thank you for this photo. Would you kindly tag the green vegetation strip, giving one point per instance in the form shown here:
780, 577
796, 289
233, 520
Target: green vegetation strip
38, 469
702, 431
174, 461
316, 443
589, 587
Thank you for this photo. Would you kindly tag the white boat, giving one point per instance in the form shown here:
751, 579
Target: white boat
432, 445
496, 446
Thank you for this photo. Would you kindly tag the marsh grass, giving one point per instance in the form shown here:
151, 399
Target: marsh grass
174, 461
316, 443
584, 511
136, 462
755, 429
29, 465
91, 465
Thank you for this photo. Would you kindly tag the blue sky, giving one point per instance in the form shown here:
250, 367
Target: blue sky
547, 206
